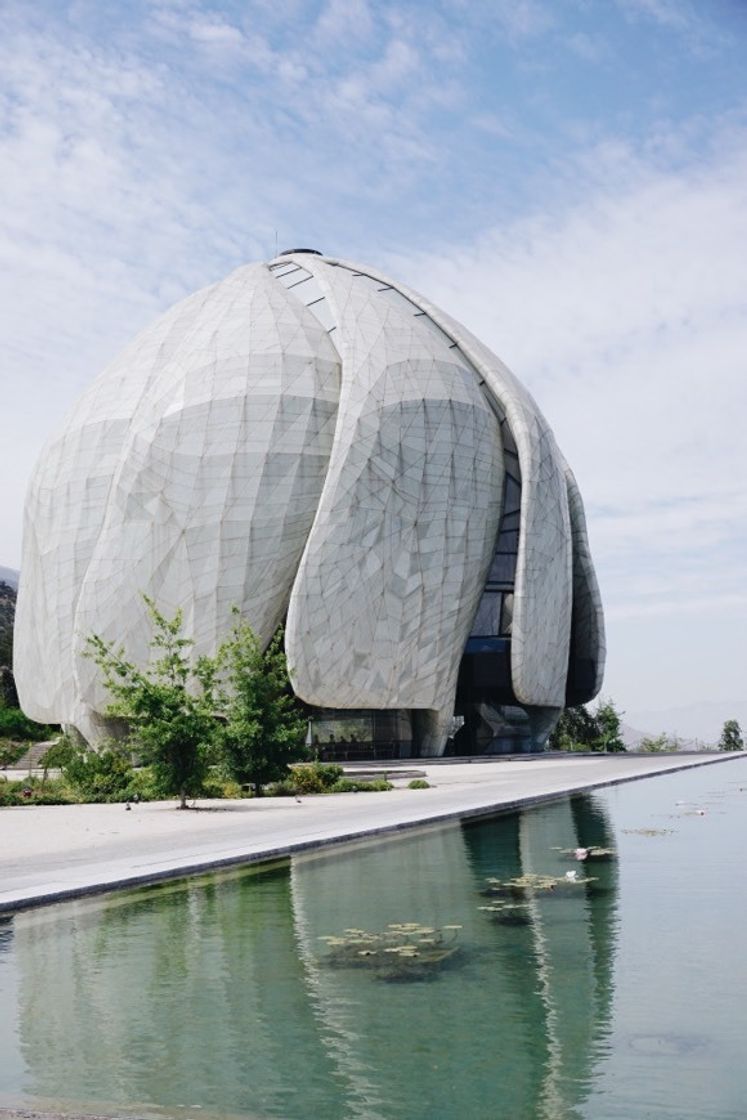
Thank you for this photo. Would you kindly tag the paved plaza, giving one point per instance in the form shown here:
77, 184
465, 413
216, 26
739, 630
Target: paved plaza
48, 853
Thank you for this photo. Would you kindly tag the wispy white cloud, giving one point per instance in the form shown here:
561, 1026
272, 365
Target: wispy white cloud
341, 22
523, 19
515, 20
693, 23
590, 47
677, 14
493, 125
216, 31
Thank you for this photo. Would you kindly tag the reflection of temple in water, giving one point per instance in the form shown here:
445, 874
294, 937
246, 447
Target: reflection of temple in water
215, 993
518, 1023
176, 995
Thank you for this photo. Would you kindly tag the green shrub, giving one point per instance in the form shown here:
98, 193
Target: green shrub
329, 772
106, 775
15, 725
55, 792
57, 756
142, 785
657, 744
322, 777
315, 777
216, 785
418, 783
282, 789
86, 777
305, 780
349, 785
10, 752
345, 785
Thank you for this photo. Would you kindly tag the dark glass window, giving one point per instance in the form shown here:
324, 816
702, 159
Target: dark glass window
488, 618
509, 445
508, 541
503, 568
511, 495
511, 520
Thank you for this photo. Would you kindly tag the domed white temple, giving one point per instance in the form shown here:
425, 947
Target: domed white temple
310, 441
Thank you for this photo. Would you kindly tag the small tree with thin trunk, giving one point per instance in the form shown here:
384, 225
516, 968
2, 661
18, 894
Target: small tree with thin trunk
731, 737
609, 724
168, 706
264, 727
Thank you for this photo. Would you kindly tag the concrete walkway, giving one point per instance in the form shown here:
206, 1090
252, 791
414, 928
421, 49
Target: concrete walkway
49, 853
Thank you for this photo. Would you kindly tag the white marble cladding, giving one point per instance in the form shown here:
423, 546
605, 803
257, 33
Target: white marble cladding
303, 437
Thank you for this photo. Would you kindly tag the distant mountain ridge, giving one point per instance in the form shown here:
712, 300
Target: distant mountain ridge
631, 736
7, 614
9, 575
699, 723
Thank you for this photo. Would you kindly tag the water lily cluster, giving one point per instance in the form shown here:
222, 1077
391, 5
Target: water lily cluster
510, 898
648, 831
508, 913
529, 885
403, 951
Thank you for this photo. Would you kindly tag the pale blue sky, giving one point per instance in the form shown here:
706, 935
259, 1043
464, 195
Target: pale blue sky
568, 177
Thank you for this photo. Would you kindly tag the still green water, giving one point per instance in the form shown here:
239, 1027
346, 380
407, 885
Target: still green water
619, 999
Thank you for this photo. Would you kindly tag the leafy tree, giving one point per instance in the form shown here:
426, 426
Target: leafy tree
658, 743
731, 737
609, 728
576, 730
8, 691
264, 728
169, 705
15, 725
103, 775
7, 614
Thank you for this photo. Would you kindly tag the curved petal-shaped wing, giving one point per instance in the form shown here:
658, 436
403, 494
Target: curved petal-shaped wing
543, 590
219, 478
65, 508
396, 560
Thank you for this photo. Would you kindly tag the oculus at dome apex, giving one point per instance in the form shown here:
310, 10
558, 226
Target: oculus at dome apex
314, 443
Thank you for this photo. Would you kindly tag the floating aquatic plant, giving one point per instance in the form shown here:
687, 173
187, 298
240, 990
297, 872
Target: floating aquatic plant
403, 951
647, 831
508, 913
530, 885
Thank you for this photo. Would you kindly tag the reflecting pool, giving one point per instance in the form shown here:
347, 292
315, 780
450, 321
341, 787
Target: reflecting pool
475, 971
